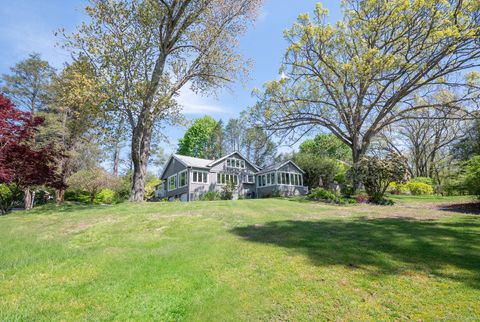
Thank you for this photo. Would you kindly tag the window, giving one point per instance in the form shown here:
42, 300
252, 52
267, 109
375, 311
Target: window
223, 178
182, 179
199, 177
249, 179
272, 178
287, 178
235, 163
172, 182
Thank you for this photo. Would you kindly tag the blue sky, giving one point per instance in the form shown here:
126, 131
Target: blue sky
27, 26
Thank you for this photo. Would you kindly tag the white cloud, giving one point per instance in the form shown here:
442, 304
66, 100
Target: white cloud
194, 104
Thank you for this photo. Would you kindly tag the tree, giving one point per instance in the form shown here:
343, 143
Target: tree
319, 171
148, 50
366, 72
93, 181
469, 145
198, 139
258, 147
377, 174
233, 133
28, 85
472, 175
425, 140
327, 146
74, 118
21, 165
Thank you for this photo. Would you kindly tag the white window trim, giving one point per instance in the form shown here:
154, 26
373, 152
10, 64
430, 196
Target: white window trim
168, 182
227, 174
178, 178
246, 178
290, 177
200, 171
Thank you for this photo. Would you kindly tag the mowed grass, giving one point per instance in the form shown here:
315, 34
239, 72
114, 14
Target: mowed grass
269, 260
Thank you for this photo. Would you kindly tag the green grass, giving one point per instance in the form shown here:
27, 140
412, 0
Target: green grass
239, 261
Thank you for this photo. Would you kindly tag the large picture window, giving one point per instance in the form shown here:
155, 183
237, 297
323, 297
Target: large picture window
223, 178
172, 182
288, 178
182, 179
199, 177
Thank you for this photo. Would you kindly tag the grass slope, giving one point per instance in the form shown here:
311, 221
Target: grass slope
241, 260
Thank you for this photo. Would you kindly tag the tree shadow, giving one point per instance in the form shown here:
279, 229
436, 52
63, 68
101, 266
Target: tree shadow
463, 208
380, 246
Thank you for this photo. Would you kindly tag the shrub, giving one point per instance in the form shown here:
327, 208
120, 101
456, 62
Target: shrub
211, 196
78, 196
419, 188
376, 174
322, 194
228, 191
397, 188
425, 180
6, 199
362, 198
106, 196
93, 181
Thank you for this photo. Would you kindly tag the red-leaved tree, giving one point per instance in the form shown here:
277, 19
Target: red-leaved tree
21, 166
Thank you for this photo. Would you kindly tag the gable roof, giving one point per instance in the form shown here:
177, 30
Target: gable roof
213, 162
187, 162
192, 162
278, 165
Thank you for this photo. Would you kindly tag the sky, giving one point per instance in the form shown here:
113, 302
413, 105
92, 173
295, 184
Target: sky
28, 26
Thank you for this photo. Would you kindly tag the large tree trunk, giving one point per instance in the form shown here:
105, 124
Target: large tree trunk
59, 195
141, 141
116, 158
27, 199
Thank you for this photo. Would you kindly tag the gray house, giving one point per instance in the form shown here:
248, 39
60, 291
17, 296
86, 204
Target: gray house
187, 178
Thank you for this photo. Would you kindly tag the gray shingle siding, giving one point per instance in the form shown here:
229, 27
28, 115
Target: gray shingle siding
194, 191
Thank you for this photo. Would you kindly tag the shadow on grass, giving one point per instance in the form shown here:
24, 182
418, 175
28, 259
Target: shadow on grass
463, 208
381, 246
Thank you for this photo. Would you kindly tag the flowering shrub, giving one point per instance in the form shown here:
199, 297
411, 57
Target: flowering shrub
376, 174
362, 198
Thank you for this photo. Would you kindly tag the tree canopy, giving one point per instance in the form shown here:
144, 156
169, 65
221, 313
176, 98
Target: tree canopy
373, 68
146, 51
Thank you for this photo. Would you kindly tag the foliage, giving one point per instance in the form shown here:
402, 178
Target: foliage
211, 196
376, 174
321, 194
425, 180
28, 84
21, 164
6, 199
472, 175
93, 181
375, 67
327, 146
469, 145
146, 52
257, 146
397, 188
198, 139
228, 189
319, 171
361, 198
419, 188
106, 196
150, 186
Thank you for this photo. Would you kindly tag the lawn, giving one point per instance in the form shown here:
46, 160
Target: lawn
240, 260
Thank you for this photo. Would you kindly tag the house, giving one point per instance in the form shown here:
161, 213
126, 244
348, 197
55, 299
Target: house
187, 178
